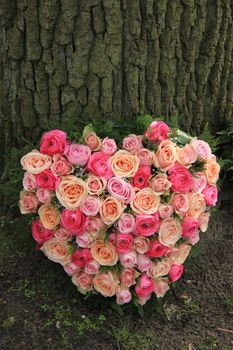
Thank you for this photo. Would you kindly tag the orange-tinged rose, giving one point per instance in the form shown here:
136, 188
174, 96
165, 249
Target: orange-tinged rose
104, 252
212, 170
35, 162
106, 284
197, 204
49, 216
170, 231
124, 164
165, 157
111, 209
145, 201
57, 251
71, 192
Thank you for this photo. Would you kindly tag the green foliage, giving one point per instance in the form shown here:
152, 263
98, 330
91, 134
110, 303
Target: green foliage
225, 150
207, 136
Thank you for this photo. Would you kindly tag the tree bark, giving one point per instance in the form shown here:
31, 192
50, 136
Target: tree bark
112, 59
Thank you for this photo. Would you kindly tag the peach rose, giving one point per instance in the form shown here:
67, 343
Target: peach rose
165, 157
145, 201
93, 141
83, 281
159, 269
165, 211
141, 244
180, 203
96, 185
170, 232
57, 251
186, 155
203, 221
49, 216
62, 234
124, 164
180, 254
35, 162
212, 170
104, 252
123, 295
106, 284
71, 192
160, 183
197, 204
161, 287
28, 202
111, 210
29, 182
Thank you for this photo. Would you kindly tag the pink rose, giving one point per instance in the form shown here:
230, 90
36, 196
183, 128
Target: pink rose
81, 257
92, 267
62, 234
74, 221
186, 155
204, 221
141, 244
126, 223
180, 203
91, 206
145, 156
83, 281
29, 181
78, 154
161, 287
94, 224
157, 131
109, 146
40, 233
85, 240
123, 242
165, 211
157, 249
100, 165
176, 270
71, 268
60, 166
194, 238
123, 295
53, 142
132, 143
128, 277
190, 226
143, 262
47, 180
128, 260
93, 141
43, 195
160, 183
120, 189
96, 185
211, 195
140, 179
200, 182
147, 225
181, 178
145, 286
202, 149
28, 202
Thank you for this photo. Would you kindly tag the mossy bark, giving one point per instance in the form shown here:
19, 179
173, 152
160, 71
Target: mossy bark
112, 59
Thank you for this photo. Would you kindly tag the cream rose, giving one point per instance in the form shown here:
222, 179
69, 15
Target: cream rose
35, 162
145, 201
57, 251
197, 204
170, 231
124, 164
159, 269
71, 192
106, 284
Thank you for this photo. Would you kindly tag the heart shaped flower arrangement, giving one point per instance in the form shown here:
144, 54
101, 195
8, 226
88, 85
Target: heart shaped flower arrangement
121, 221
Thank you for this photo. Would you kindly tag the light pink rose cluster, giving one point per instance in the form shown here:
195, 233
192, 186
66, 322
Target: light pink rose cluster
121, 222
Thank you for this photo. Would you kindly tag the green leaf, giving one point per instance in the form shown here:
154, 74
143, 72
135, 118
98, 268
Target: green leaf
117, 308
140, 310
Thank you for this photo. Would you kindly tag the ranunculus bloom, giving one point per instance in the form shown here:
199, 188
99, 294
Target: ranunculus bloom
175, 272
40, 233
124, 164
181, 178
78, 154
143, 262
104, 252
110, 210
74, 221
212, 170
211, 195
71, 192
157, 249
128, 260
180, 203
186, 155
141, 244
147, 225
170, 231
34, 162
145, 156
49, 216
126, 223
157, 131
197, 204
145, 286
160, 183
165, 157
62, 234
91, 206
99, 164
159, 269
165, 211
123, 295
140, 179
81, 257
28, 202
95, 184
93, 141
106, 284
109, 146
44, 195
132, 143
47, 180
203, 219
29, 181
190, 226
199, 182
161, 287
202, 149
83, 281
57, 251
120, 189
53, 142
123, 242
145, 201
60, 166
128, 277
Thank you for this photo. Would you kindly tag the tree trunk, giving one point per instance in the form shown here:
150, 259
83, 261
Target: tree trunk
112, 59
